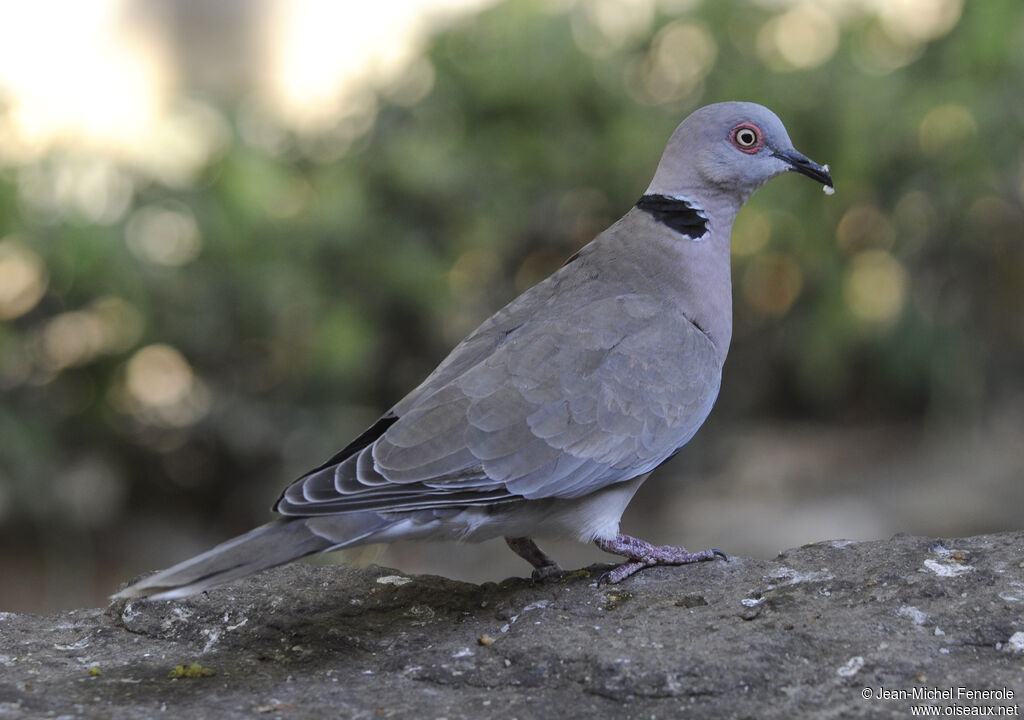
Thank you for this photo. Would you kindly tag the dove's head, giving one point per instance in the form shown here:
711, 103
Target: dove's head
730, 149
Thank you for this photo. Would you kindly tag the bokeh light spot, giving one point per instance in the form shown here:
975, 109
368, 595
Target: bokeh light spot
681, 56
122, 323
863, 227
772, 283
946, 129
750, 233
23, 278
70, 339
804, 37
158, 376
164, 235
84, 188
876, 53
109, 325
79, 74
162, 389
601, 27
186, 138
322, 51
473, 271
917, 21
875, 287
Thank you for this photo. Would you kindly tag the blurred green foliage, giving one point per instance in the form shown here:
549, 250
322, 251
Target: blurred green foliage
294, 299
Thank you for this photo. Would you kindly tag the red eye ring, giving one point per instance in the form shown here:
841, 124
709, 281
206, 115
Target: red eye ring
747, 137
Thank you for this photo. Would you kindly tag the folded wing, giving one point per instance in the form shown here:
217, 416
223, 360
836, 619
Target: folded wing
556, 405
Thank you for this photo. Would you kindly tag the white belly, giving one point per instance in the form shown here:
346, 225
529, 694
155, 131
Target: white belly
594, 516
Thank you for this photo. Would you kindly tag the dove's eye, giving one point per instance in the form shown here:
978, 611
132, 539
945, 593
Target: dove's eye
746, 137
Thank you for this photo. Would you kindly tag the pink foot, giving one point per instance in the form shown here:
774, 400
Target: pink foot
641, 554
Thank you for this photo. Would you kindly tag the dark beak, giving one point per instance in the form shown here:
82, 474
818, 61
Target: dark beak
805, 166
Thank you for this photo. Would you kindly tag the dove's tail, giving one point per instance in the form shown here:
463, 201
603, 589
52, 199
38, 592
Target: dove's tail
275, 543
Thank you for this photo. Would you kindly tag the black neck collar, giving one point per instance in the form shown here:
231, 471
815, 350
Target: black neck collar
677, 214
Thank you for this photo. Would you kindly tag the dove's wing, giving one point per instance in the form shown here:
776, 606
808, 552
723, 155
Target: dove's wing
555, 403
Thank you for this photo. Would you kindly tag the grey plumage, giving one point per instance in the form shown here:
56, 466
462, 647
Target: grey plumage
547, 418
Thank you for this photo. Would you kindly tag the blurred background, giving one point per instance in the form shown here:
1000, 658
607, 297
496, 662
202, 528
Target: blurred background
233, 233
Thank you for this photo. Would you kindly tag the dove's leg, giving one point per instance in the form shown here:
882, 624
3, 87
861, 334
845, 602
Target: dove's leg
526, 548
642, 554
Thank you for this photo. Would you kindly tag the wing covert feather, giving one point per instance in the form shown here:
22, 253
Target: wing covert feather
557, 404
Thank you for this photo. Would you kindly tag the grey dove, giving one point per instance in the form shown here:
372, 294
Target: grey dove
546, 419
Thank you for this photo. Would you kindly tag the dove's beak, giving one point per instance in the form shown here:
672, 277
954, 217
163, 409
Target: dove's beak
805, 166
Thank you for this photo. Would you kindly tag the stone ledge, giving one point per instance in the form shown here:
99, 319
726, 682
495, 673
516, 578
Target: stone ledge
802, 634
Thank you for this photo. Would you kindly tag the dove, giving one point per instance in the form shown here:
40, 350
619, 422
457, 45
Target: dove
548, 417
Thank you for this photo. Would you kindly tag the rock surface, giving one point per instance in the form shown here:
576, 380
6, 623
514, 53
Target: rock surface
805, 634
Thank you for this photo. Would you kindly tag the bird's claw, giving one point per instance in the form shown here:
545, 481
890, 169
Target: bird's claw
640, 554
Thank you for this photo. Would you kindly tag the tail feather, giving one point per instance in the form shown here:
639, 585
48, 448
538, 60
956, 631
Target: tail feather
267, 546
